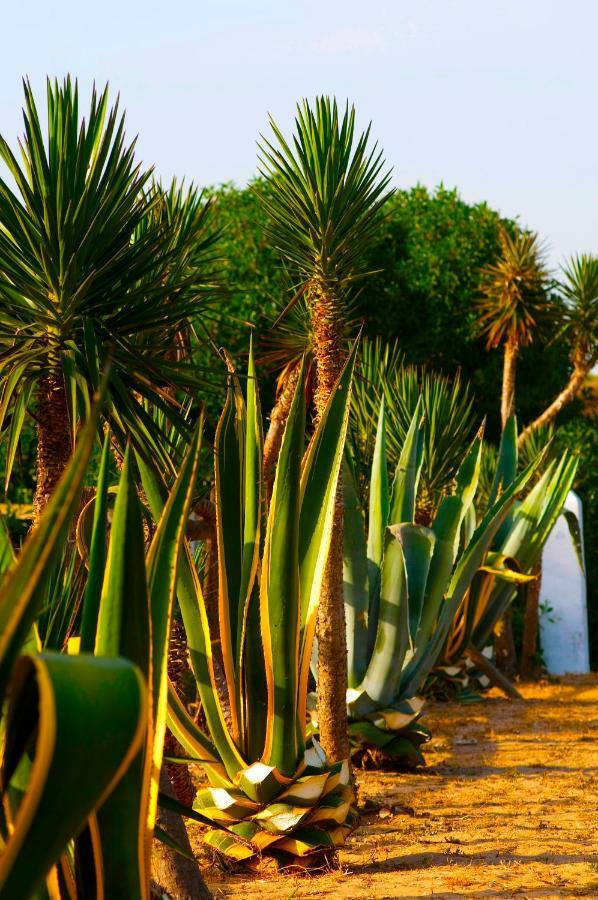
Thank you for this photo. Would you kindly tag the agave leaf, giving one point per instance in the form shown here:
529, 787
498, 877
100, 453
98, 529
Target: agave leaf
97, 556
124, 630
86, 717
193, 611
355, 582
21, 594
279, 593
383, 675
379, 503
162, 568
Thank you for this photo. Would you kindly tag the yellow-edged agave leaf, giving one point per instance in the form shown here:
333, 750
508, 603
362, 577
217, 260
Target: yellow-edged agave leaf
228, 483
124, 630
21, 594
253, 832
162, 572
96, 559
340, 775
86, 718
193, 611
305, 841
194, 741
305, 791
279, 818
252, 495
505, 568
397, 719
279, 594
227, 845
314, 758
379, 504
356, 583
233, 803
252, 686
334, 809
261, 782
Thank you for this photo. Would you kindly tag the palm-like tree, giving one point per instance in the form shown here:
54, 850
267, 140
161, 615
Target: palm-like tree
92, 259
514, 304
578, 289
327, 188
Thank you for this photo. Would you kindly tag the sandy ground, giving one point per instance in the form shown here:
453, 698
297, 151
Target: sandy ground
507, 807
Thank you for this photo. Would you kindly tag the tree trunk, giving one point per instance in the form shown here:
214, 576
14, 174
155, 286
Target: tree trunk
507, 403
329, 353
568, 394
54, 440
530, 622
178, 876
494, 674
504, 645
278, 421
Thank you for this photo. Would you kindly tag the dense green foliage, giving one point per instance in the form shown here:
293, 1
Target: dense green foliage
426, 256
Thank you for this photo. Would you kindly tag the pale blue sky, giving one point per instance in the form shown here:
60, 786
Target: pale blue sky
497, 98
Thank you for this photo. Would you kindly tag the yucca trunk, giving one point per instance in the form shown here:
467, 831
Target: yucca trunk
278, 421
330, 354
54, 440
573, 387
504, 645
529, 642
174, 873
507, 404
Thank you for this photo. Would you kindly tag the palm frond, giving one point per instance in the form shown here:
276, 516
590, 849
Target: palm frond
515, 300
326, 191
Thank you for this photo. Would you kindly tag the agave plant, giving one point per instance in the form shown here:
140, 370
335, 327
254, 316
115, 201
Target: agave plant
83, 732
446, 403
516, 547
404, 583
270, 787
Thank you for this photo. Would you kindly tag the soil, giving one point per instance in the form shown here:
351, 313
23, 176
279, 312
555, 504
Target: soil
506, 807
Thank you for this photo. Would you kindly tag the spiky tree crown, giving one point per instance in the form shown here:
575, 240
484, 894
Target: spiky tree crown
327, 189
579, 290
514, 297
92, 256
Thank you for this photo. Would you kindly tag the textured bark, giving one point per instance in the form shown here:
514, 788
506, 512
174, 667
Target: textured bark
329, 354
178, 665
504, 646
278, 421
568, 394
507, 404
54, 440
530, 623
179, 877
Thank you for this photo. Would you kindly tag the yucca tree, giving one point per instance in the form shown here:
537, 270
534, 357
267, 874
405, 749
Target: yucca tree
514, 304
327, 187
578, 289
92, 260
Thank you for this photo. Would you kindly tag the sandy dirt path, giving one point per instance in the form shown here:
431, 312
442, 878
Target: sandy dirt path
507, 807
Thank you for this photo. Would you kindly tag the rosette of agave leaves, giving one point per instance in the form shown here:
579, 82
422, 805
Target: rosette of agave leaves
271, 790
403, 584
